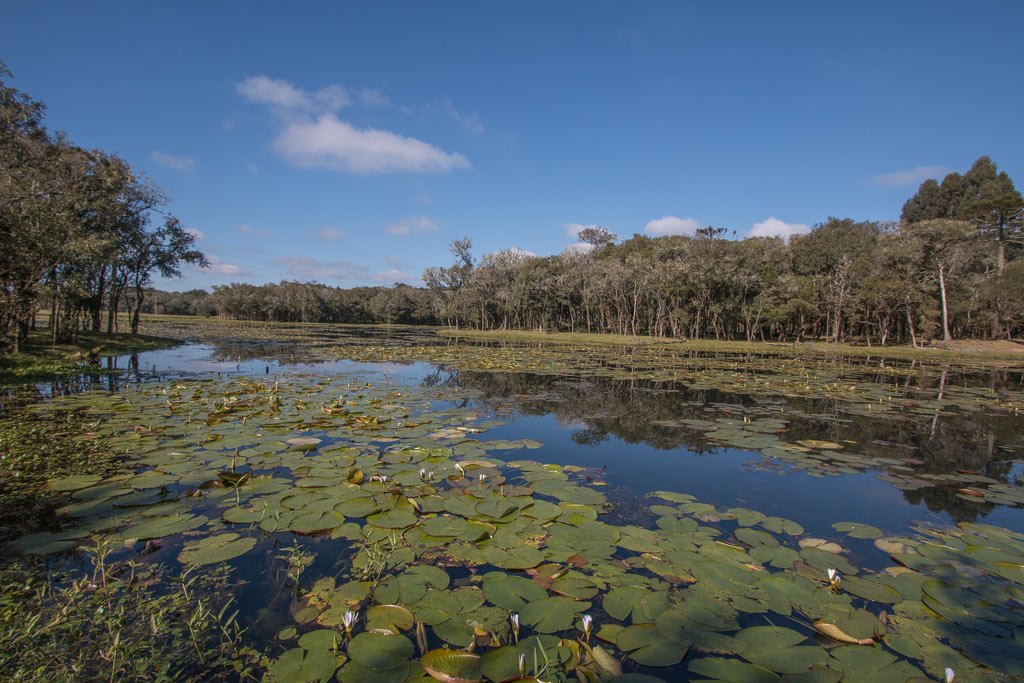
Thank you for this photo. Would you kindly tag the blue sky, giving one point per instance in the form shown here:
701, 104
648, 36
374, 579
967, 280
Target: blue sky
349, 143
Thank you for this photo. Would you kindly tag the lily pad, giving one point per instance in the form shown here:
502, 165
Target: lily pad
214, 549
857, 530
299, 666
510, 592
548, 615
645, 644
452, 666
379, 651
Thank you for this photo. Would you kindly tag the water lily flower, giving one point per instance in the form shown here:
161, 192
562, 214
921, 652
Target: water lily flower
834, 577
423, 473
522, 664
483, 477
514, 620
588, 623
349, 621
950, 675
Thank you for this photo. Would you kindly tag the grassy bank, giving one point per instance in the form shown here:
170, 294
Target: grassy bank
963, 350
42, 358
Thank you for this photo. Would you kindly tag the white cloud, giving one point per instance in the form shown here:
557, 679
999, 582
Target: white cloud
672, 225
251, 229
773, 227
577, 248
909, 177
409, 226
328, 142
198, 234
219, 266
178, 162
329, 233
314, 137
392, 276
284, 96
471, 122
373, 98
304, 267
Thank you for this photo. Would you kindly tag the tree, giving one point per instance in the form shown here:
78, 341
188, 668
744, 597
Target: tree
984, 196
994, 205
945, 248
73, 226
162, 251
597, 236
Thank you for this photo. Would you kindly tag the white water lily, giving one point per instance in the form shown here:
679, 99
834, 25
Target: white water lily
423, 473
834, 577
514, 620
349, 621
483, 477
588, 623
522, 663
950, 675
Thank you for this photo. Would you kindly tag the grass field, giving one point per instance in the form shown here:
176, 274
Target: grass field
41, 357
966, 350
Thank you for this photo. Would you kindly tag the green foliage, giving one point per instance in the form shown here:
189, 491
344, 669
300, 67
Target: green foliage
75, 225
124, 629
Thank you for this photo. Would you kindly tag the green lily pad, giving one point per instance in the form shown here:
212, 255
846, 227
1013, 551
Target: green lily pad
393, 519
757, 637
645, 644
321, 639
214, 549
45, 543
510, 592
379, 651
786, 660
870, 589
163, 526
73, 483
733, 670
858, 530
394, 618
452, 666
300, 666
548, 615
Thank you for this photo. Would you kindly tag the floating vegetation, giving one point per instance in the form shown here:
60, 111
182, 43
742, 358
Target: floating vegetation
446, 562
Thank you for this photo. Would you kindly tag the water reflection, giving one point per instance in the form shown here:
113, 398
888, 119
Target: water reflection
595, 411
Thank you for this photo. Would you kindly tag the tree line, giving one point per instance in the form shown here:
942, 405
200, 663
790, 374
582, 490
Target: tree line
301, 302
81, 232
950, 267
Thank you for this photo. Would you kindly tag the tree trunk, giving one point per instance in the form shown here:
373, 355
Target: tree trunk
139, 295
910, 326
1001, 250
945, 307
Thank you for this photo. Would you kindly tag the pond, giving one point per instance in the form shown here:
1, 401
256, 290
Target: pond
381, 506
